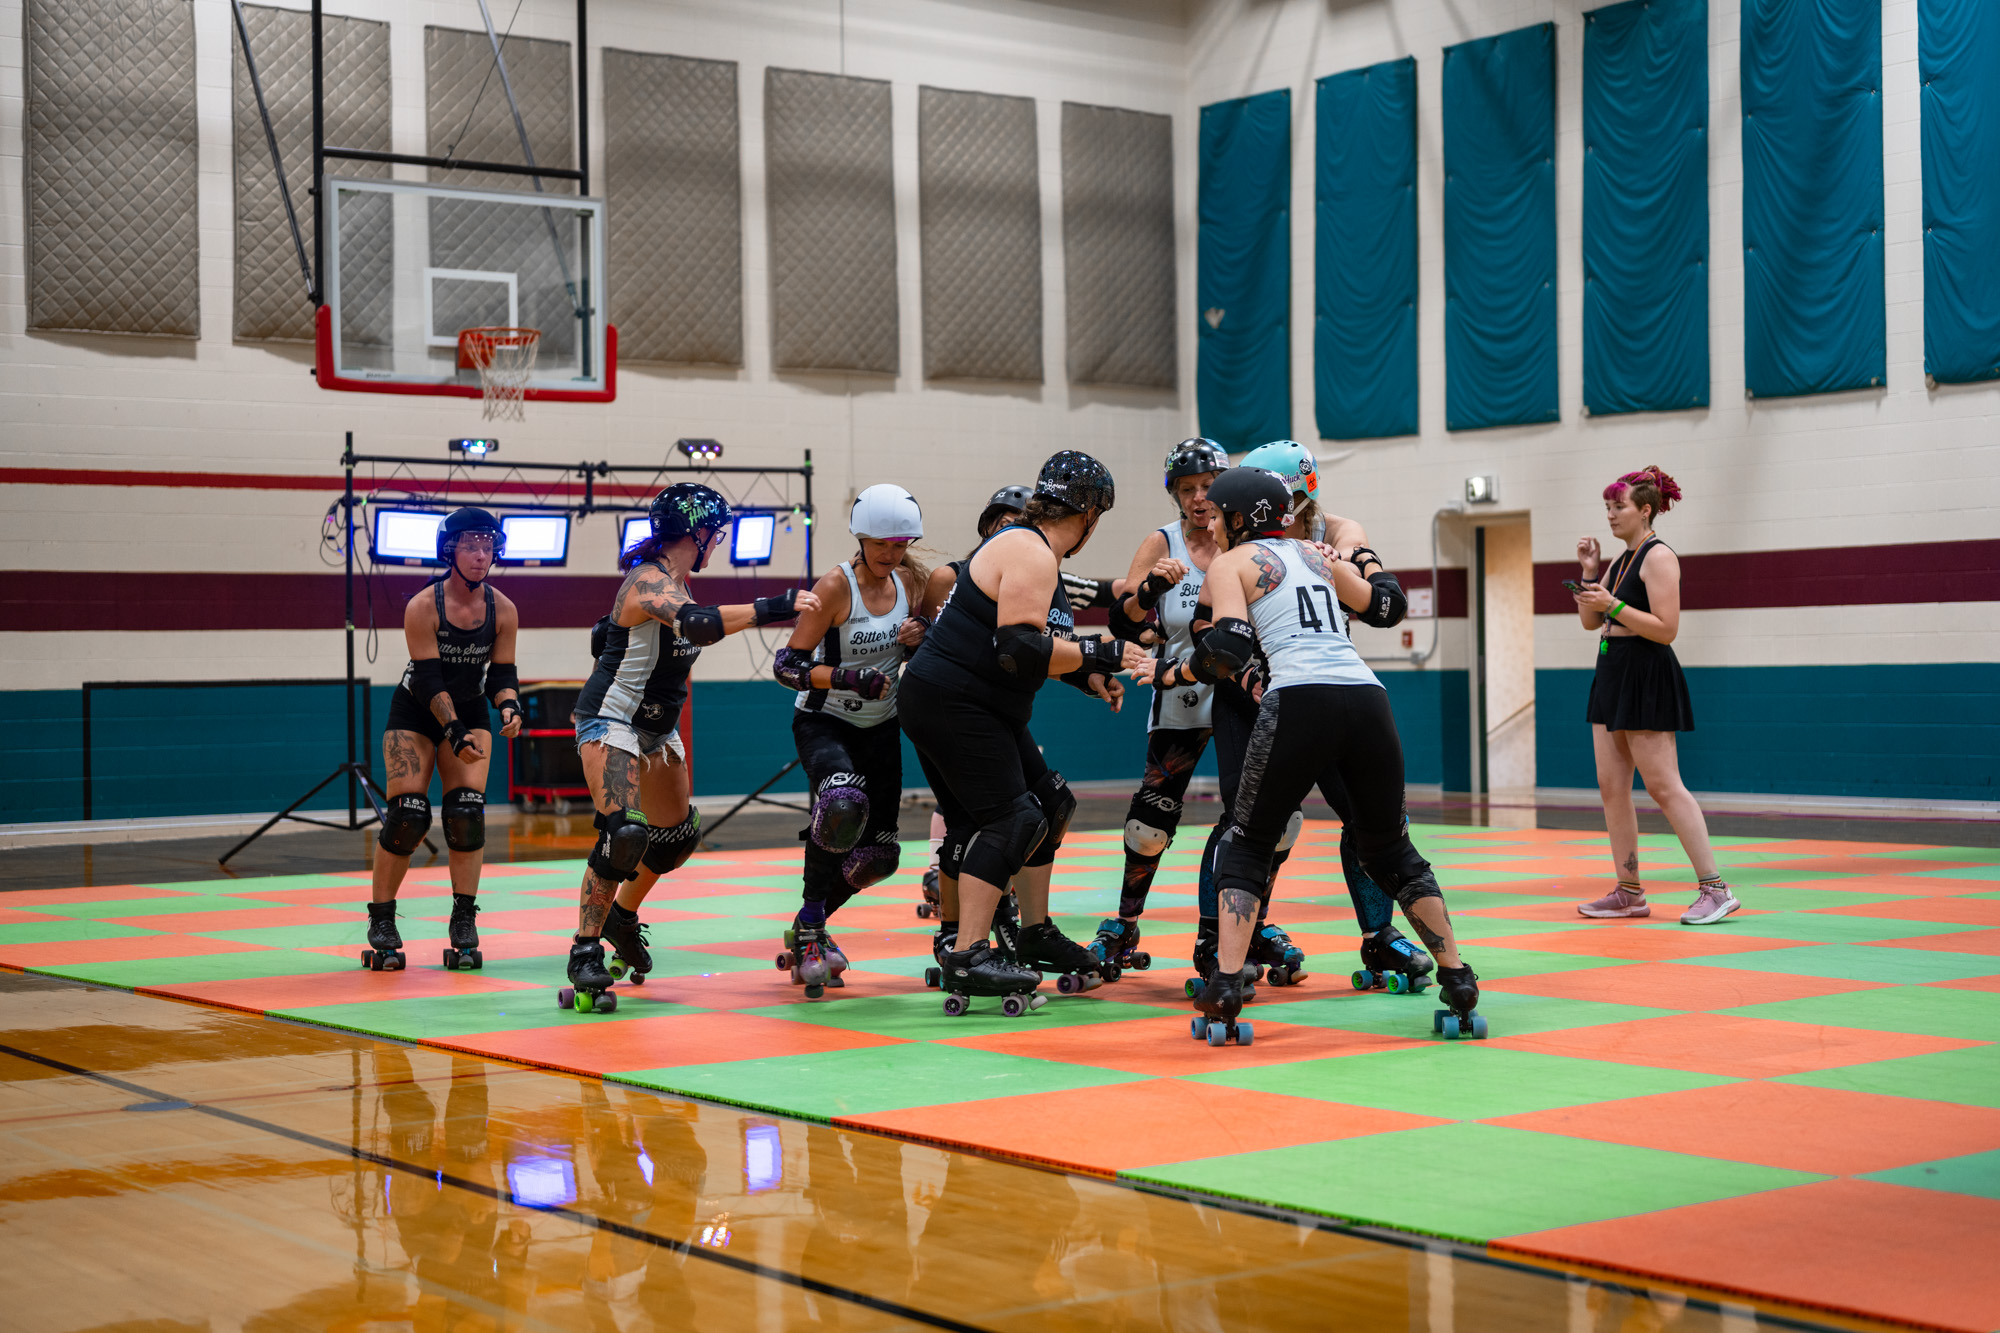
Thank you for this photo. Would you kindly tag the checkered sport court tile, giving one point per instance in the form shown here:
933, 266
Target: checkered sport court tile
1802, 1102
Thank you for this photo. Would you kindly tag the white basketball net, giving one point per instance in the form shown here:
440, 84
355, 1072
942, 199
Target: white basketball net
505, 360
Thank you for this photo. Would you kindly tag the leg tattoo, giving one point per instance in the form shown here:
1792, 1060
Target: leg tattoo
596, 904
1632, 864
621, 780
1241, 905
401, 756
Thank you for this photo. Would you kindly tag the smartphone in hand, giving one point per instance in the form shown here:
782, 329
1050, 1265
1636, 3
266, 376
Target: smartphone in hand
1571, 585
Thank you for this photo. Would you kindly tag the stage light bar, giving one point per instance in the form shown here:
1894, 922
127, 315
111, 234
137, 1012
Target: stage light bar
635, 530
473, 448
404, 536
535, 539
700, 451
751, 541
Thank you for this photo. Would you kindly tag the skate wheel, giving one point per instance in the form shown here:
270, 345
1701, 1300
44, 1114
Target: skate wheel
814, 992
1479, 1026
565, 998
784, 962
1450, 1026
1398, 984
1361, 980
1217, 1034
394, 962
1069, 983
583, 1002
1199, 1026
451, 960
1192, 988
933, 977
605, 1003
1142, 961
1036, 1001
478, 960
1012, 1006
924, 910
1437, 1019
616, 967
954, 1005
1243, 1034
638, 978
368, 959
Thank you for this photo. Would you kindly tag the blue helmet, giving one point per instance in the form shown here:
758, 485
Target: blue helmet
1292, 461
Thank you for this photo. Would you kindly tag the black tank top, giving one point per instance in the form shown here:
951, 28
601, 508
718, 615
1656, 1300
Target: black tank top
958, 651
1625, 585
641, 676
463, 653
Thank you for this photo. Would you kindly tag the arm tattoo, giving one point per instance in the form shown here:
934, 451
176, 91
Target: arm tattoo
1241, 904
659, 595
442, 709
621, 779
1270, 569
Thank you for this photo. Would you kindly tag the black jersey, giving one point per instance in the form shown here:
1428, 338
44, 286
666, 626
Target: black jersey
958, 652
462, 653
641, 676
1623, 581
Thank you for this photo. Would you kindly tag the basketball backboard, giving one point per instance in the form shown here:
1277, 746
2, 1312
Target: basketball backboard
409, 265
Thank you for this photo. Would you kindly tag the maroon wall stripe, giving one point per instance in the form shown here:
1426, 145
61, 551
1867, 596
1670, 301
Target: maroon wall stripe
271, 481
1967, 571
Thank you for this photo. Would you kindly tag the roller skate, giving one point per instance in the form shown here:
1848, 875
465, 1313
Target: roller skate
1284, 963
929, 906
1219, 1002
981, 970
941, 944
809, 956
463, 932
1206, 945
1459, 988
385, 943
1116, 948
627, 937
1390, 962
589, 989
1046, 949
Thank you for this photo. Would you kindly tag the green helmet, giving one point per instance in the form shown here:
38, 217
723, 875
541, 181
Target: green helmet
1291, 460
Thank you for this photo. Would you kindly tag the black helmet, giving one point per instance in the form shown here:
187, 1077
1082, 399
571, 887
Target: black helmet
1260, 496
685, 509
1075, 479
1006, 500
1191, 458
462, 521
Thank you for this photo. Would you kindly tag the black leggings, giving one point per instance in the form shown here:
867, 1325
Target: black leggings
1342, 739
979, 765
1171, 754
855, 775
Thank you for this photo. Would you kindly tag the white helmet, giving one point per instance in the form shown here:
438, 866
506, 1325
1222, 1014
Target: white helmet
886, 513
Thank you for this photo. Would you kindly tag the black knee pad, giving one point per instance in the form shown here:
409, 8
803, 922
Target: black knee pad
872, 862
951, 854
1058, 807
405, 820
999, 849
839, 813
669, 848
1242, 864
621, 843
464, 819
1410, 891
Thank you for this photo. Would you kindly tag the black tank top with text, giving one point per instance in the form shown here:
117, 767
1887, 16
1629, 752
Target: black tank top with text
463, 653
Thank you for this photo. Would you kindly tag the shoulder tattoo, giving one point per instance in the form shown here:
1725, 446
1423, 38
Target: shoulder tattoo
1270, 569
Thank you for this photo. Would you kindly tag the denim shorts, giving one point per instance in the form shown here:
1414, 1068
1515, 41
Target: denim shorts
624, 736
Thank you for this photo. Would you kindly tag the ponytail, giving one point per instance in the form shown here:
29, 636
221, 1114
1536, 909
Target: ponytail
1649, 487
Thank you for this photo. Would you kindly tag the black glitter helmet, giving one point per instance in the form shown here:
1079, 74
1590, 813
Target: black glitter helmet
1006, 500
1261, 497
469, 519
1073, 478
1191, 458
686, 509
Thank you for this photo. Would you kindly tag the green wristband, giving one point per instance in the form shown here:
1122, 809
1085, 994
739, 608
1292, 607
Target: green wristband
1612, 614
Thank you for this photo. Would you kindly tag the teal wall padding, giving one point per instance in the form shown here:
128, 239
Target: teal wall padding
1500, 230
1243, 374
1645, 206
1365, 253
1421, 701
42, 778
1958, 60
1929, 731
1814, 318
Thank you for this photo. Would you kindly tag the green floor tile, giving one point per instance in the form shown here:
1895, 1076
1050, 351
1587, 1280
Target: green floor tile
1977, 1173
876, 1078
1500, 962
1783, 897
775, 903
1409, 1016
1989, 855
441, 1016
123, 907
1989, 871
1829, 928
920, 1016
1461, 1080
719, 930
269, 884
207, 967
1526, 1181
1477, 927
1929, 1011
551, 968
63, 930
1860, 962
311, 937
1969, 1076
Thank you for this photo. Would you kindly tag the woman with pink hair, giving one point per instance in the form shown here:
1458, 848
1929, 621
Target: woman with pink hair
1639, 697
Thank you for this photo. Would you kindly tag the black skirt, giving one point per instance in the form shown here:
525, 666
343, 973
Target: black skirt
1639, 687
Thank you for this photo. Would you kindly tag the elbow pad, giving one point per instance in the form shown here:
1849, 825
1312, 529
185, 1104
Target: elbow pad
426, 679
1023, 651
1223, 651
1094, 593
1123, 626
794, 668
770, 610
700, 625
1386, 603
502, 676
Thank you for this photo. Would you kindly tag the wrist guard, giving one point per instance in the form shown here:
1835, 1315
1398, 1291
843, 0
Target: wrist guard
794, 668
509, 710
864, 681
1363, 556
1101, 655
1386, 603
1152, 590
1167, 673
770, 610
457, 735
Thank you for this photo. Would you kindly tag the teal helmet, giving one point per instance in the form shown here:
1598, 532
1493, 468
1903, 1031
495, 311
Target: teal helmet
1292, 461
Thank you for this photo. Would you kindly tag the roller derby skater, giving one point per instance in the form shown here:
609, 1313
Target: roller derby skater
627, 719
968, 695
844, 660
1323, 717
438, 721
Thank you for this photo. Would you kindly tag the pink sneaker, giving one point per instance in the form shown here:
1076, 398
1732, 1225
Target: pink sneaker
1713, 903
1621, 901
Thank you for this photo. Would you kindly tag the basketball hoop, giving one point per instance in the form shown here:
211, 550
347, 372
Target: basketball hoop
504, 358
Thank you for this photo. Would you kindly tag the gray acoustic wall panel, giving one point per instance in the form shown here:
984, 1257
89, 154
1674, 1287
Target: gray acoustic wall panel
830, 184
980, 199
111, 173
673, 182
1118, 246
468, 117
271, 300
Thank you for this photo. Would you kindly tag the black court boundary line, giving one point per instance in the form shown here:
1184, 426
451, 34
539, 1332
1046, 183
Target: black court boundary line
747, 1267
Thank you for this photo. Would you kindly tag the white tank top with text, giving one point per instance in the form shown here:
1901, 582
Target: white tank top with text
861, 640
1302, 627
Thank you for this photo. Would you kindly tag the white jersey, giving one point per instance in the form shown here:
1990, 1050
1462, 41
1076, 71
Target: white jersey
1301, 625
1184, 707
861, 640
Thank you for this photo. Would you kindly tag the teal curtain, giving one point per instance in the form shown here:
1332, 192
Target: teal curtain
1365, 253
1812, 196
1500, 230
1243, 375
1958, 59
1645, 206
